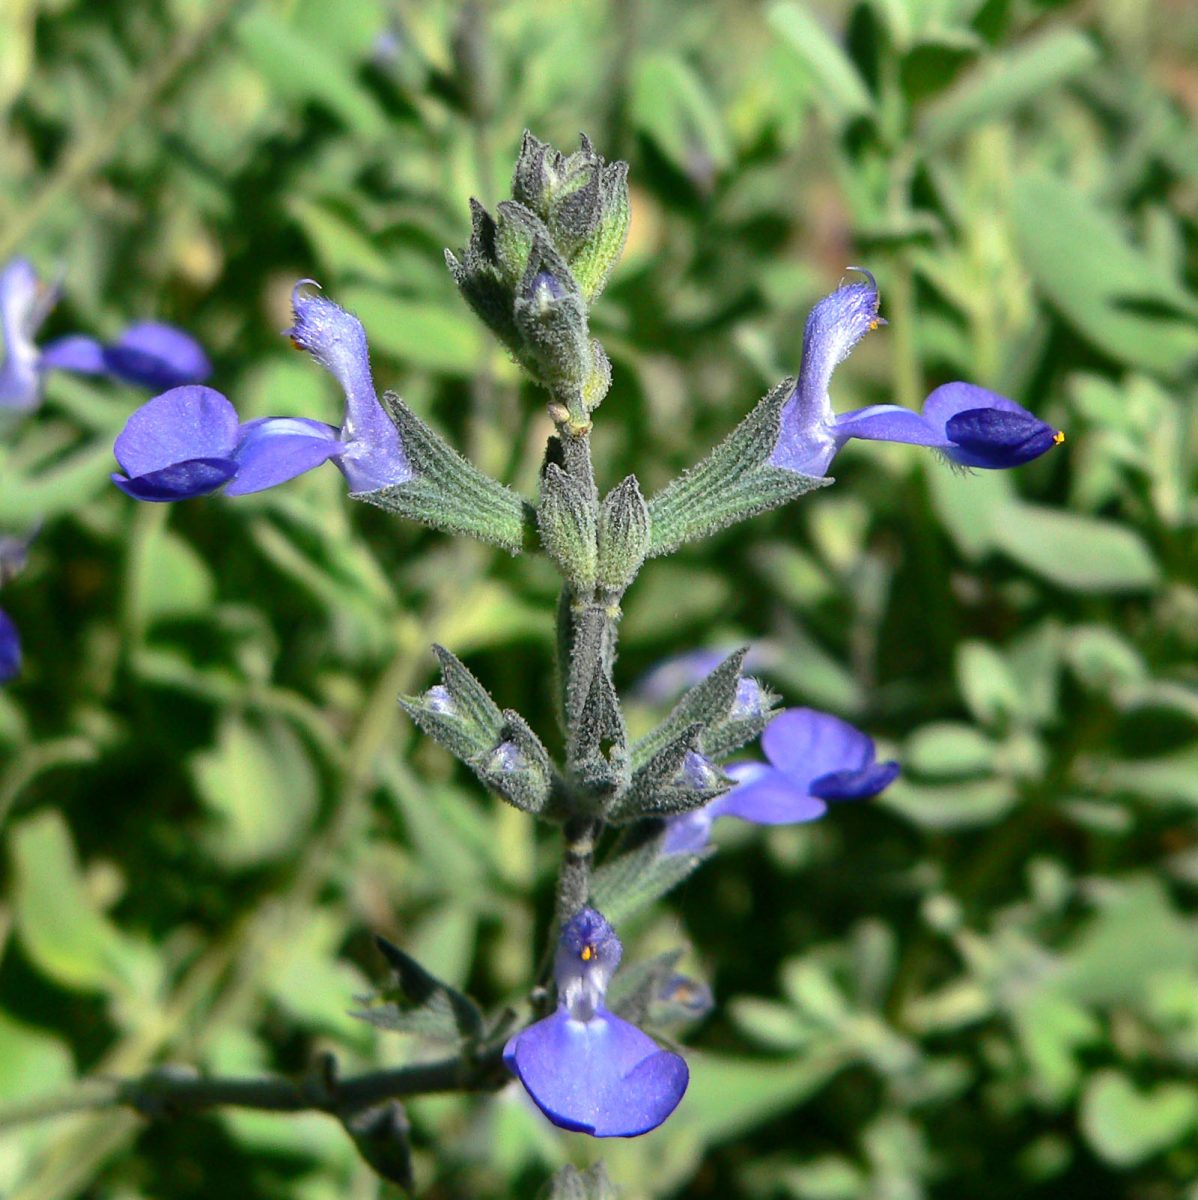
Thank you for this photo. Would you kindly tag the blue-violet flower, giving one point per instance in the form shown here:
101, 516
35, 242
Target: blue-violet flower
813, 757
24, 303
12, 560
587, 1069
189, 441
10, 648
669, 678
149, 353
966, 423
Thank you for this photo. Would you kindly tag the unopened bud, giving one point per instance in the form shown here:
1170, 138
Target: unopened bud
623, 535
438, 700
749, 702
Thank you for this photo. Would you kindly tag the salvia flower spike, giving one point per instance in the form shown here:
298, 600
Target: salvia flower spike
966, 423
587, 1069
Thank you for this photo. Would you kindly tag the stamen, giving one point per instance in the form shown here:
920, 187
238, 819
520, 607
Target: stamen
587, 953
1058, 437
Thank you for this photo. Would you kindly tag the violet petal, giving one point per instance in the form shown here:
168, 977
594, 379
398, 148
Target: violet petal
179, 481
603, 1076
804, 743
275, 449
767, 797
157, 356
183, 424
10, 648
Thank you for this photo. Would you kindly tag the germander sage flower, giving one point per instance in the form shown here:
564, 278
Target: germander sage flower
10, 648
12, 560
966, 423
24, 303
189, 441
587, 1069
149, 353
813, 756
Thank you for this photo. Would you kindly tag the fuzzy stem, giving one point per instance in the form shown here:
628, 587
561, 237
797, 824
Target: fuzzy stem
574, 875
165, 1093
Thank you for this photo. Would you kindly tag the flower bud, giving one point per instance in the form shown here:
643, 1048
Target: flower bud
517, 767
583, 202
516, 281
566, 519
623, 535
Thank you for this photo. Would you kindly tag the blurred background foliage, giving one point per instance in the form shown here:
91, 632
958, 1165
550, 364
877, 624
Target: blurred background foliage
986, 983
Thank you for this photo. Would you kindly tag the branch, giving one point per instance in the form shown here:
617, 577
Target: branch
172, 1091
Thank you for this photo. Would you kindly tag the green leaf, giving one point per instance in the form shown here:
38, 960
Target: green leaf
729, 1095
1103, 658
1004, 81
1170, 779
62, 930
986, 683
422, 333
1051, 1030
1077, 552
259, 784
1126, 1125
342, 247
313, 985
948, 750
175, 581
33, 1064
32, 1061
671, 106
970, 507
629, 883
838, 82
706, 704
734, 482
299, 68
959, 806
447, 492
65, 486
1136, 935
1114, 295
418, 1002
444, 941
770, 1024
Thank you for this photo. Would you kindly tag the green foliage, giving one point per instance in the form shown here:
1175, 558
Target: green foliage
983, 985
